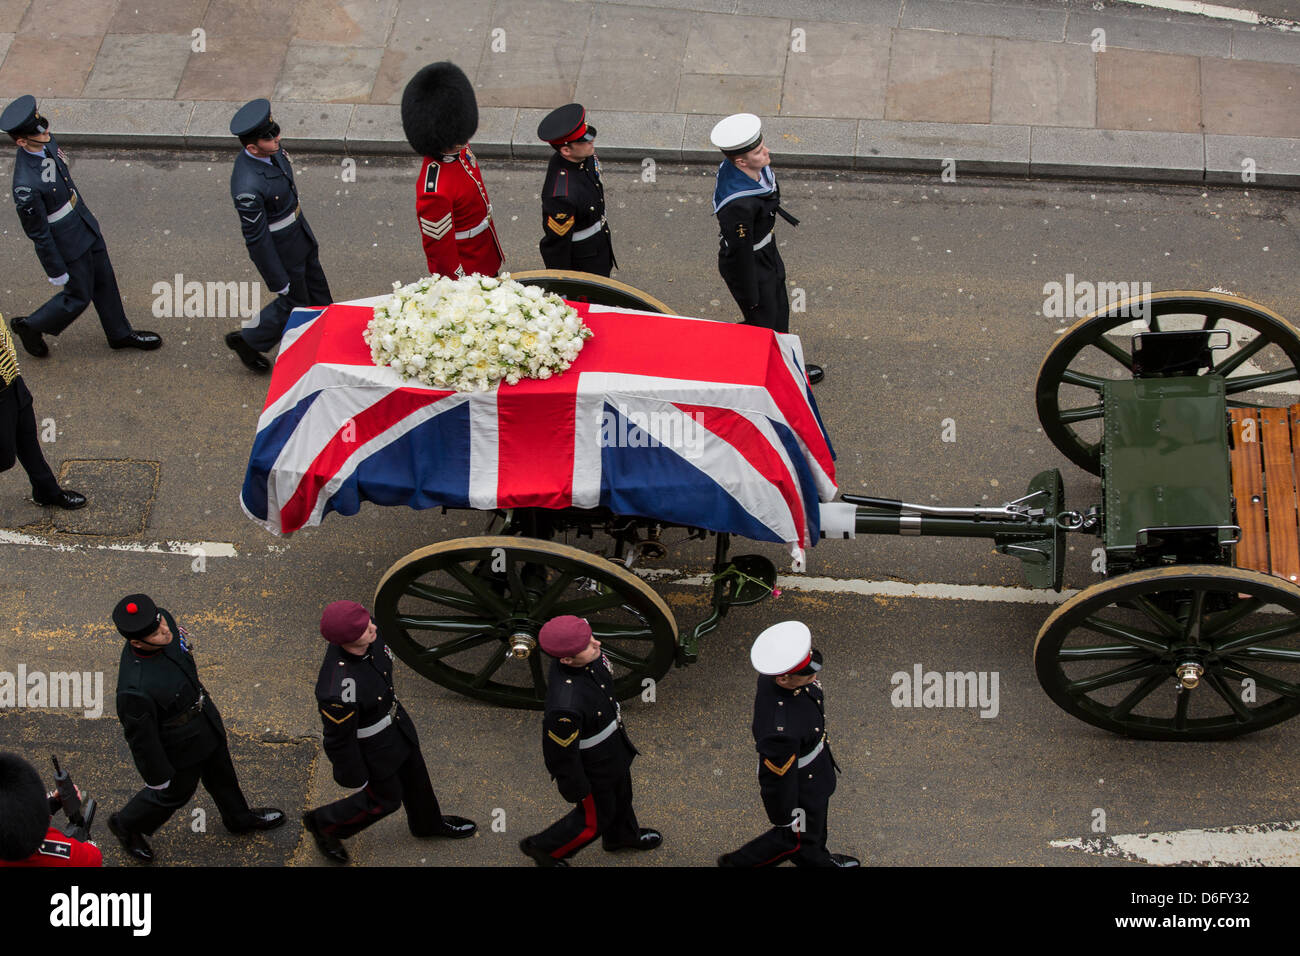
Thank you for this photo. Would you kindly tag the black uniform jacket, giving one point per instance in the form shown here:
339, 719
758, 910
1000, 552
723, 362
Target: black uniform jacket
264, 195
744, 221
156, 698
43, 187
356, 692
580, 705
788, 726
573, 199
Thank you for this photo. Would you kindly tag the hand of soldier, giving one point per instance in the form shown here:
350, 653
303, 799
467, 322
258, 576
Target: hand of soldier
60, 280
162, 786
283, 291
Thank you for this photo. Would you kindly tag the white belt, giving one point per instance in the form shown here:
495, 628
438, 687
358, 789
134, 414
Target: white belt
590, 231
380, 724
601, 737
808, 757
760, 244
285, 223
471, 233
63, 210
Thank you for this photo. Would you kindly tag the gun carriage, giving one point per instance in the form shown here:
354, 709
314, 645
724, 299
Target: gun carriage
1193, 634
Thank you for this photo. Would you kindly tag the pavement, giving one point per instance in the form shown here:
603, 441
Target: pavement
1056, 88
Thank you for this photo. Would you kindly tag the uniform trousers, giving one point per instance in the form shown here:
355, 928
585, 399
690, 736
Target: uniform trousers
19, 441
605, 812
307, 287
378, 798
90, 279
807, 848
773, 310
150, 809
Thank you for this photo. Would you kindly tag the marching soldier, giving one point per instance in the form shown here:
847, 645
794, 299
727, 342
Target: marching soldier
796, 772
279, 240
173, 729
747, 201
586, 750
439, 116
369, 739
575, 234
67, 236
18, 439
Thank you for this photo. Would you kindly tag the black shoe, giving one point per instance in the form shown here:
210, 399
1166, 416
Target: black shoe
647, 839
68, 500
329, 845
31, 339
725, 860
134, 843
144, 341
540, 856
841, 859
456, 828
815, 373
263, 818
253, 360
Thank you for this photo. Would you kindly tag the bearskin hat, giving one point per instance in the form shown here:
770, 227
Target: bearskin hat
24, 809
439, 109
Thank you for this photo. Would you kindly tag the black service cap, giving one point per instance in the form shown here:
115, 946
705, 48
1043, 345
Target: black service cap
251, 118
136, 616
20, 117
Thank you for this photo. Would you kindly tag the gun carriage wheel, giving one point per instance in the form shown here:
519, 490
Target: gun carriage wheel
586, 287
1265, 352
1178, 653
466, 614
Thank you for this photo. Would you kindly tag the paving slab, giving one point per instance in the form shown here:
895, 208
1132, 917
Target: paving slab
1265, 44
699, 93
842, 72
424, 32
888, 145
118, 122
351, 23
88, 18
1043, 84
6, 40
140, 65
1269, 160
314, 126
938, 78
1250, 99
375, 129
335, 74
1158, 36
12, 13
209, 125
234, 68
533, 55
632, 60
496, 131
29, 68
737, 46
881, 13
250, 18
1151, 91
1117, 154
810, 142
158, 16
629, 136
984, 19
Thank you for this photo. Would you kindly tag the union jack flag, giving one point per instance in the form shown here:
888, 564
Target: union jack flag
681, 420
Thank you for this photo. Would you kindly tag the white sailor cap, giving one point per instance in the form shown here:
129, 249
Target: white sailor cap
784, 648
738, 133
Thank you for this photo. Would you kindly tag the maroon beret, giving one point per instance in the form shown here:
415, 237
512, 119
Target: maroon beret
343, 622
565, 636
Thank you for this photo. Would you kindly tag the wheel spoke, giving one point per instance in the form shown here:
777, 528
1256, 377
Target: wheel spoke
1248, 383
1128, 635
518, 593
1277, 655
1109, 652
488, 598
461, 625
491, 667
457, 644
539, 676
638, 632
1226, 619
1094, 382
1119, 675
542, 609
1137, 695
1260, 635
1240, 709
1115, 352
1180, 712
1192, 626
1169, 626
1285, 688
1235, 360
452, 599
1071, 416
581, 606
627, 660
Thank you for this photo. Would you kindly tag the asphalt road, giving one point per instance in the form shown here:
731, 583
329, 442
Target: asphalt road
922, 304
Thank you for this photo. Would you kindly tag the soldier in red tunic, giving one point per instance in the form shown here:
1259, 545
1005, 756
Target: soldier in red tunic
28, 836
439, 115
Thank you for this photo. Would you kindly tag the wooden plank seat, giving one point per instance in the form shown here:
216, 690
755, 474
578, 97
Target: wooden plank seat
1262, 459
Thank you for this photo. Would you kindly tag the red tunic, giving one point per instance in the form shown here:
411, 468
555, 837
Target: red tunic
59, 850
455, 217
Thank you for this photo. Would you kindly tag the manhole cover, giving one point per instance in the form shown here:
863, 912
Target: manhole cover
120, 496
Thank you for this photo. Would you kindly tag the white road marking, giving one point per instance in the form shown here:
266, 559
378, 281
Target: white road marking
955, 592
1216, 11
1256, 844
209, 549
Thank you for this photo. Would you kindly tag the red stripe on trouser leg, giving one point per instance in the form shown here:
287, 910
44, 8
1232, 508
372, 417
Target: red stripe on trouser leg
793, 849
588, 833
